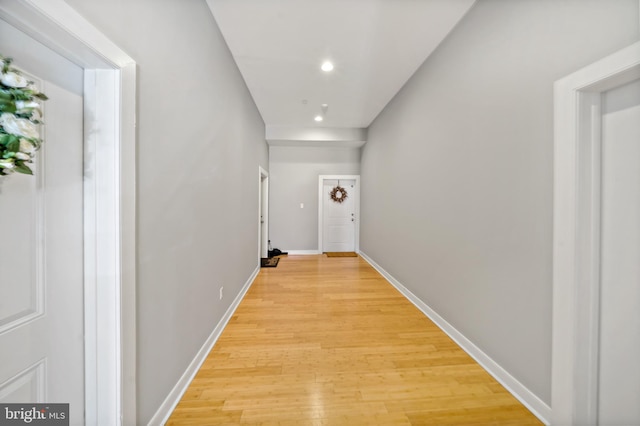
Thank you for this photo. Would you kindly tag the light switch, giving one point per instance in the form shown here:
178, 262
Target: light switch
302, 205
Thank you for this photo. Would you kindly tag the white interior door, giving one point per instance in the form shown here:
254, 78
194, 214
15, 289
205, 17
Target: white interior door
339, 218
264, 213
619, 348
41, 255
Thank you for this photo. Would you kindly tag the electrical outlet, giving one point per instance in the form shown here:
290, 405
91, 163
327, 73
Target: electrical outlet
221, 292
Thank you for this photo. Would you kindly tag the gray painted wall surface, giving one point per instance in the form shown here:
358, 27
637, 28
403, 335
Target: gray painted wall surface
200, 143
458, 171
293, 179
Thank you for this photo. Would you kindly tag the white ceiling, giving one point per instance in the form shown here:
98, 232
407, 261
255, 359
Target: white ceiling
376, 45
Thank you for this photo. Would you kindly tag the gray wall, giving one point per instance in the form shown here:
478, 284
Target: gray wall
458, 171
200, 143
293, 179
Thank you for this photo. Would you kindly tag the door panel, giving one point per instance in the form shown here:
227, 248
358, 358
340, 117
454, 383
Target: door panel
619, 375
28, 385
41, 256
22, 302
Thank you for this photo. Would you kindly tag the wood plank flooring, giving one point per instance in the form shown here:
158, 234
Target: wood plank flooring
327, 341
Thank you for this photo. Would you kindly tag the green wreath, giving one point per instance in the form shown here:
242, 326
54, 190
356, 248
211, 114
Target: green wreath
20, 116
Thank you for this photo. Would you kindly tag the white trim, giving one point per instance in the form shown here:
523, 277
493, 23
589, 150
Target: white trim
68, 33
321, 179
576, 277
301, 252
102, 289
110, 242
128, 242
541, 410
171, 401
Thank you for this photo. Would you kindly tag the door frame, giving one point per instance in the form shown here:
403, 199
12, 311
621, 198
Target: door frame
109, 200
321, 179
576, 241
263, 213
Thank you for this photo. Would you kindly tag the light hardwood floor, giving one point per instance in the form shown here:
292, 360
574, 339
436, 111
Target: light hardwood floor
327, 341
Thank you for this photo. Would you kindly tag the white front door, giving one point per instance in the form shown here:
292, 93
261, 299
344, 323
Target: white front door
619, 347
339, 215
41, 249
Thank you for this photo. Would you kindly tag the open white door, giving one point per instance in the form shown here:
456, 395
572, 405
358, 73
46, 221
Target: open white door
41, 256
263, 227
619, 343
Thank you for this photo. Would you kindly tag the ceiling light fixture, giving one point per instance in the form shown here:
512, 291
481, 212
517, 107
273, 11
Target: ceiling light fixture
327, 66
318, 118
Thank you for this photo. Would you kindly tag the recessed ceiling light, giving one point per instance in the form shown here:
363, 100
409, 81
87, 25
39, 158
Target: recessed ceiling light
318, 118
326, 66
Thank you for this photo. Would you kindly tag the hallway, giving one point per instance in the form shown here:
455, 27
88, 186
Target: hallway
322, 340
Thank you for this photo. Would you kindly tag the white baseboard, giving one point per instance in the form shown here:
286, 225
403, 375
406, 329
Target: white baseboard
171, 401
302, 252
541, 410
